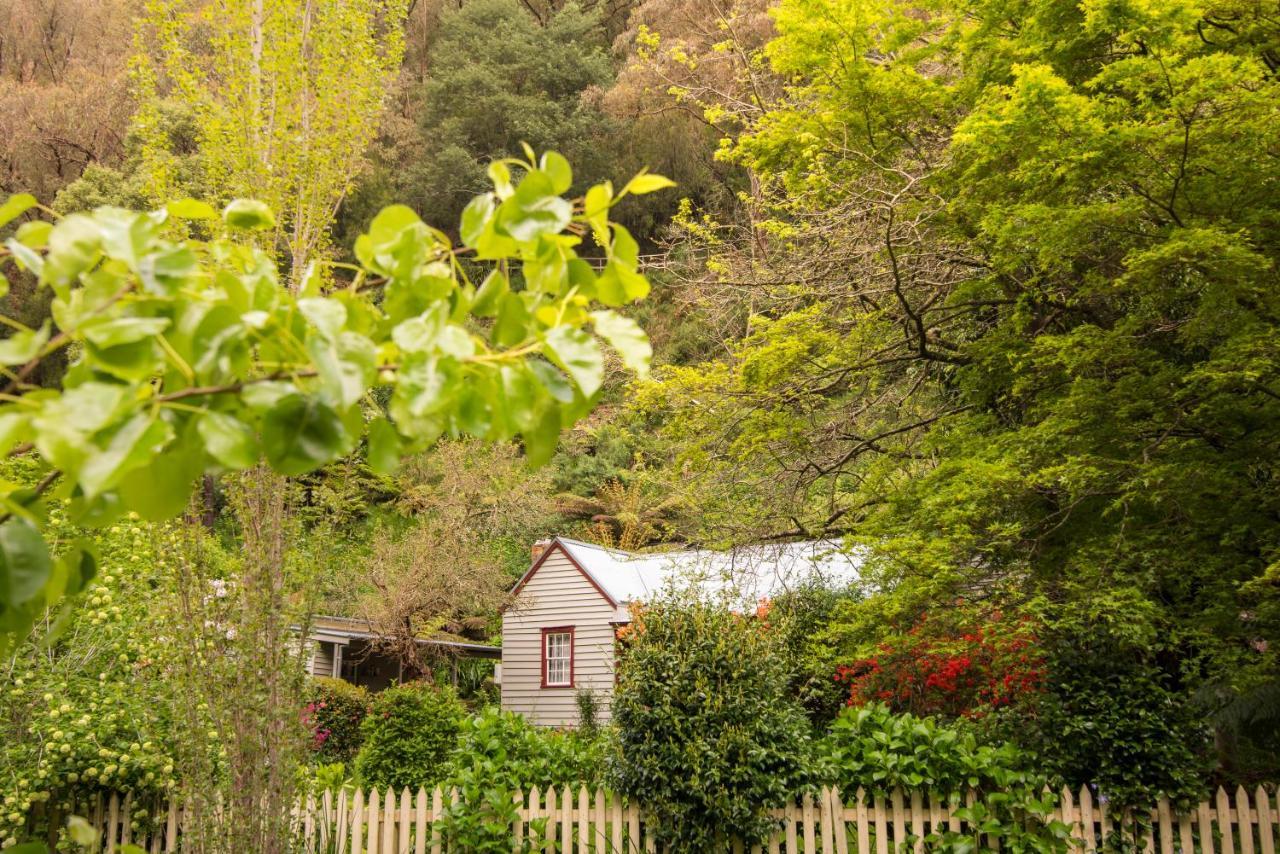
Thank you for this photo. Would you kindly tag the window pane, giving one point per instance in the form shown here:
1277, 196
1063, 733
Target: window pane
559, 649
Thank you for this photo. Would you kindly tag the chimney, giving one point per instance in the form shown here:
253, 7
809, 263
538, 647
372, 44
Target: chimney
539, 548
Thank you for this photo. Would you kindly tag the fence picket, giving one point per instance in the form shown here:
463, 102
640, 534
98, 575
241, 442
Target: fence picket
437, 812
917, 821
357, 823
615, 823
633, 827
402, 846
584, 820
1244, 820
864, 837
789, 816
1165, 819
420, 820
827, 823
842, 833
1224, 822
113, 818
374, 808
1086, 819
1206, 828
806, 824
882, 826
387, 845
899, 820
550, 834
600, 838
1184, 833
1265, 818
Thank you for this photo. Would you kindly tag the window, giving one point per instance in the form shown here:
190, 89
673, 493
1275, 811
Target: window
557, 657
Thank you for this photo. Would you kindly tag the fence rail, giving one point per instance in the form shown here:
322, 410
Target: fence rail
562, 820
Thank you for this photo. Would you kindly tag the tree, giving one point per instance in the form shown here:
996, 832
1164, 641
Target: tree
1017, 325
260, 76
191, 353
524, 82
469, 505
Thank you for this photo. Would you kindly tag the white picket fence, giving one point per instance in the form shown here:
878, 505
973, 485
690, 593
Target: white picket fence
562, 820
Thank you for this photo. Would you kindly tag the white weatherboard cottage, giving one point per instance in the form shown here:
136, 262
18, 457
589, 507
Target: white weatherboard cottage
558, 636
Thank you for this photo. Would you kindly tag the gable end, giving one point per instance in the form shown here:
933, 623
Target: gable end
537, 564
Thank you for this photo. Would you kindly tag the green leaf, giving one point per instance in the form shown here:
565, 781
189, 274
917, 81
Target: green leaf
533, 210
475, 216
16, 206
27, 258
578, 354
191, 209
540, 441
558, 170
625, 336
134, 444
23, 346
228, 440
390, 222
494, 287
328, 316
125, 330
512, 325
34, 234
301, 433
25, 564
384, 447
248, 215
163, 491
647, 183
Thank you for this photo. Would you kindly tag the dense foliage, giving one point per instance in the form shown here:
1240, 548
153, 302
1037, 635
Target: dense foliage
500, 753
707, 735
334, 714
87, 715
1013, 312
408, 736
193, 352
874, 749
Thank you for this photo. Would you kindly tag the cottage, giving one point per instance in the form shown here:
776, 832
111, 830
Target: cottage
558, 636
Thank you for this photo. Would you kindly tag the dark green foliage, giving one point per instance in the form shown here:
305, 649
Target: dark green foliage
334, 711
521, 82
409, 735
708, 737
1111, 712
874, 749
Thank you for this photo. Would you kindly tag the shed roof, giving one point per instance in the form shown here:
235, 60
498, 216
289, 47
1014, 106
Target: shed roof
744, 574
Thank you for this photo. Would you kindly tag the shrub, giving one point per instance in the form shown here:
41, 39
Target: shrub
500, 752
333, 714
709, 737
409, 735
874, 748
964, 664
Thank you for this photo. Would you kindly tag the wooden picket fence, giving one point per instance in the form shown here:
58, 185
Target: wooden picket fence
560, 820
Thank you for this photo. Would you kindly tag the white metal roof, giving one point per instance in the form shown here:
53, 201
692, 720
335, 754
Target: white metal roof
745, 574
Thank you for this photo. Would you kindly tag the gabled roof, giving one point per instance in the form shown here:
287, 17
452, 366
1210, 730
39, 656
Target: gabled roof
744, 574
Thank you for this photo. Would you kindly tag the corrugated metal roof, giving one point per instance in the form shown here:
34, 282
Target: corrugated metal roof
745, 574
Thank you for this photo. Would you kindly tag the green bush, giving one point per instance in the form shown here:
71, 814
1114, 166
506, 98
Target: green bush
334, 712
409, 735
873, 748
709, 737
500, 752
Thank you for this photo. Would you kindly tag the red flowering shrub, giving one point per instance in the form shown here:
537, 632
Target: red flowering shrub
957, 667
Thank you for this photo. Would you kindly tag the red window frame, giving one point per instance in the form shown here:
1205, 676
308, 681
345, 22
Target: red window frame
557, 630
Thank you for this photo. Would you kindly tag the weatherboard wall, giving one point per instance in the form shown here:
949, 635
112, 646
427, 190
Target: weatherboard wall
557, 595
